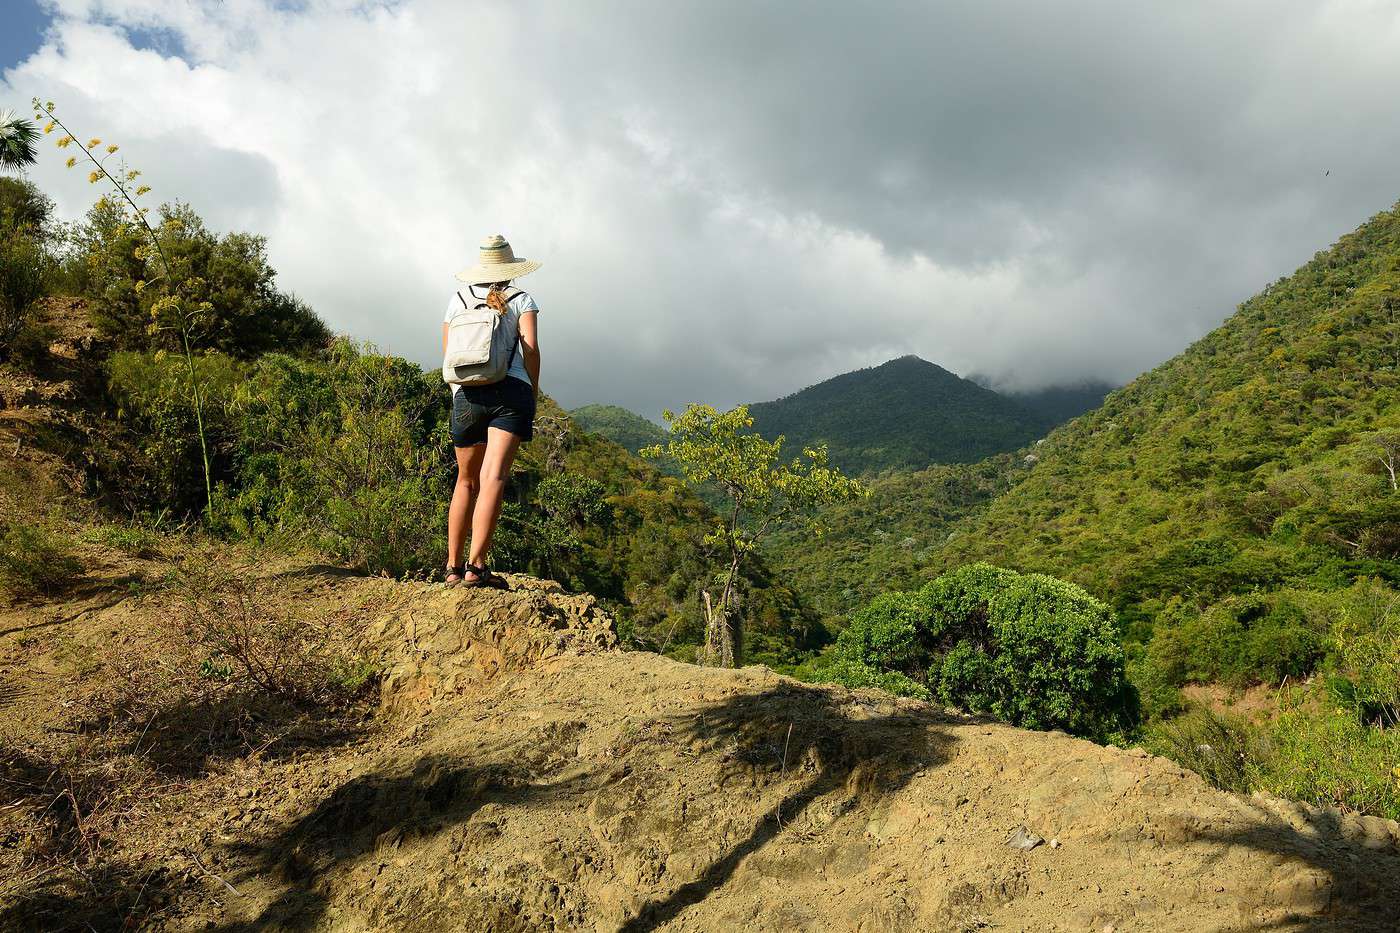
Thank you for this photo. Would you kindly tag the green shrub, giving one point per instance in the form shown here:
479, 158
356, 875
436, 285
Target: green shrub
1025, 648
1328, 757
160, 466
132, 540
888, 633
351, 453
1367, 647
245, 314
36, 559
23, 267
1240, 640
851, 673
1224, 750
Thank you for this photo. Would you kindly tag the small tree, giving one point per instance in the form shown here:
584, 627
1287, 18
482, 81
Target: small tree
1387, 448
720, 448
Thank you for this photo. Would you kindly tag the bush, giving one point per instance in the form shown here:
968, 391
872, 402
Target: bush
35, 559
235, 632
350, 452
1224, 750
162, 467
23, 267
1328, 757
1240, 640
246, 314
1028, 649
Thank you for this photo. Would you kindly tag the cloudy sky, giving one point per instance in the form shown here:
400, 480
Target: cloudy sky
737, 199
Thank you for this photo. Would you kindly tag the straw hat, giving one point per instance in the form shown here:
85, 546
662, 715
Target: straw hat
497, 263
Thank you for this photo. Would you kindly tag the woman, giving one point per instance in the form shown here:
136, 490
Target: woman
489, 422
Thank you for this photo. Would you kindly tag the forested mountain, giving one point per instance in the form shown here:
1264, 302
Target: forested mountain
625, 428
1255, 459
905, 414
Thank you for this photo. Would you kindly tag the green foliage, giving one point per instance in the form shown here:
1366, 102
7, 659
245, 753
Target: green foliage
1329, 758
852, 673
1239, 640
227, 279
1026, 648
23, 268
905, 414
160, 463
131, 539
349, 453
885, 539
1312, 752
36, 558
1224, 750
24, 207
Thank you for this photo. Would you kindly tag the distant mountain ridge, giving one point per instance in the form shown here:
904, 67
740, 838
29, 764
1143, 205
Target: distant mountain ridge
619, 425
905, 414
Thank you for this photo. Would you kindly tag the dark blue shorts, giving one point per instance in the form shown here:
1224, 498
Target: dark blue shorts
508, 405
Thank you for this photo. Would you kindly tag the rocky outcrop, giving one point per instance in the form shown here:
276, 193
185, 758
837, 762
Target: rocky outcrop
448, 643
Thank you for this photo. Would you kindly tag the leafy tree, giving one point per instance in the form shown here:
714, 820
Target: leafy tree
23, 207
720, 448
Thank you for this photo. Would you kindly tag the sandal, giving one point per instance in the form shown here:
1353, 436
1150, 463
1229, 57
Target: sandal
484, 577
455, 576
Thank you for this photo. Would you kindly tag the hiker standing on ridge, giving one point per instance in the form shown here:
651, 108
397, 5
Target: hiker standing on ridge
491, 358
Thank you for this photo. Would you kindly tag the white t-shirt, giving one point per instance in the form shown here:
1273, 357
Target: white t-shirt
520, 304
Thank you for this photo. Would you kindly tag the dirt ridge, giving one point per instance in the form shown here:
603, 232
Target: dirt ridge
523, 773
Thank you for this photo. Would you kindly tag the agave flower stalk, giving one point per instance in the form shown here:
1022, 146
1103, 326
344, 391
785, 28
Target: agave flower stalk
125, 184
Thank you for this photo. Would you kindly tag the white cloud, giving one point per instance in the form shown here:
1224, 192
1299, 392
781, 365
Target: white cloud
736, 200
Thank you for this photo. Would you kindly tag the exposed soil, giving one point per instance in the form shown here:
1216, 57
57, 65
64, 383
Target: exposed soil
517, 772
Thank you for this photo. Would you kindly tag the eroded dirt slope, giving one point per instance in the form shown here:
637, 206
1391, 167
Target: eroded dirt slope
520, 773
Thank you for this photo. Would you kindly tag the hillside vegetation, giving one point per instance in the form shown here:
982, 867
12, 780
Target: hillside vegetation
1254, 461
903, 415
624, 428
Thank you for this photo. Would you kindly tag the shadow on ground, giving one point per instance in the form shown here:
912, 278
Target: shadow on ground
1363, 890
800, 744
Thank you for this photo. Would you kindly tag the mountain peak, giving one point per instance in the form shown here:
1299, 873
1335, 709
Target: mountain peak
905, 413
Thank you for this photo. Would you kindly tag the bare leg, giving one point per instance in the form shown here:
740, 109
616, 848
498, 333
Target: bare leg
463, 499
495, 468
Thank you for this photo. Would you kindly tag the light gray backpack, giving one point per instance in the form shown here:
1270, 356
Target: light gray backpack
480, 348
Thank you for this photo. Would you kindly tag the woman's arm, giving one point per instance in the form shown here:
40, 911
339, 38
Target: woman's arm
444, 337
530, 347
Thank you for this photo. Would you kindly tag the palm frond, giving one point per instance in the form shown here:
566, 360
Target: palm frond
18, 137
